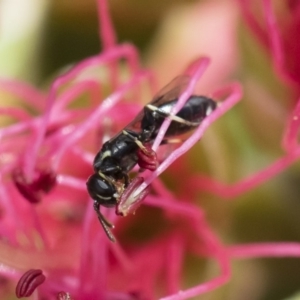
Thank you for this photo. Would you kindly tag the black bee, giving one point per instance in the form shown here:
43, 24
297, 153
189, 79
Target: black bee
132, 145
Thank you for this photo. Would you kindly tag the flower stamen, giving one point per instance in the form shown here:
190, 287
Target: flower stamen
29, 282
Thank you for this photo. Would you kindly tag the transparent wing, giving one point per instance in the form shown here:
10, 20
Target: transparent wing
172, 90
135, 125
168, 93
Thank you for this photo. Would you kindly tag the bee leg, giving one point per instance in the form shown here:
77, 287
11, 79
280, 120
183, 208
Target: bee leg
126, 179
135, 140
128, 201
104, 222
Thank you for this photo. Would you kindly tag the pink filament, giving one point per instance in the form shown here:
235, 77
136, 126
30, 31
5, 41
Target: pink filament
272, 28
104, 108
229, 102
269, 36
26, 93
200, 67
106, 30
289, 140
115, 53
265, 250
241, 187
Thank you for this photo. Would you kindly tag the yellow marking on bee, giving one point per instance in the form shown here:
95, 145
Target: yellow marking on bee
173, 117
102, 197
136, 140
107, 153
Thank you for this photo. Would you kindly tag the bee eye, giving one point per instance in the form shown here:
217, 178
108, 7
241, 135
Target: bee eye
101, 190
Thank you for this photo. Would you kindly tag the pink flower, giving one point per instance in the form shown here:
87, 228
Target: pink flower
52, 243
278, 33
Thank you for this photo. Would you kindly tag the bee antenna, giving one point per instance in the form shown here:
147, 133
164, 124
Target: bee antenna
104, 222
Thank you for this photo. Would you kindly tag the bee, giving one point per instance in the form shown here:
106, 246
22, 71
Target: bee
132, 146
